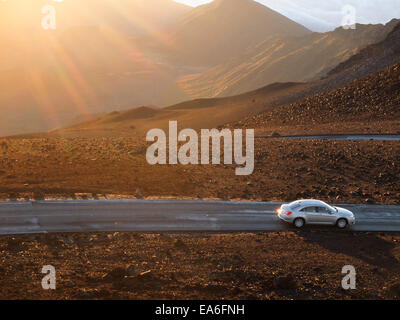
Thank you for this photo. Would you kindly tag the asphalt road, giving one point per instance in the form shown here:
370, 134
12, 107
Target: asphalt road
167, 216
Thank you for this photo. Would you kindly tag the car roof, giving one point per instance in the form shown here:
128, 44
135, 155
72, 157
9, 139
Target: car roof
309, 202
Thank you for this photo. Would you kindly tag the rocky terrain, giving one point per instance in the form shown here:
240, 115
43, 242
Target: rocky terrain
373, 57
101, 155
292, 265
369, 104
336, 171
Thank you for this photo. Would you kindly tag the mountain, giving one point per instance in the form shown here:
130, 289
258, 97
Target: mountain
212, 33
324, 16
100, 58
96, 60
47, 79
360, 95
365, 105
282, 59
372, 58
83, 70
195, 114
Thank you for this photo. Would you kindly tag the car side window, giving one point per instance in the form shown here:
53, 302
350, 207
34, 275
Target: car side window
323, 210
308, 209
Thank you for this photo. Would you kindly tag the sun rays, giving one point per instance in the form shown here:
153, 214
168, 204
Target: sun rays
63, 72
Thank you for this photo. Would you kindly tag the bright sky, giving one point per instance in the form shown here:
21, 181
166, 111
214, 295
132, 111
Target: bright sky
194, 2
324, 15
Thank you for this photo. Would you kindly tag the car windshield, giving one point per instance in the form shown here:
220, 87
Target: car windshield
294, 205
332, 208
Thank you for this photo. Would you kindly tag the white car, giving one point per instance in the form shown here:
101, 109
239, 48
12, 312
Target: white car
302, 212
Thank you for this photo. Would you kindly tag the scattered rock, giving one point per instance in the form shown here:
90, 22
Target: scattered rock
69, 284
284, 283
139, 194
395, 290
179, 244
92, 293
116, 274
14, 244
271, 296
132, 271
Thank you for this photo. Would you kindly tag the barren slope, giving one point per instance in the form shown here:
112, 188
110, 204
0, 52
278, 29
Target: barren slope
214, 32
196, 114
283, 59
367, 105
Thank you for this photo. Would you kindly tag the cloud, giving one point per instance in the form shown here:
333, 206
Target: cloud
325, 15
320, 15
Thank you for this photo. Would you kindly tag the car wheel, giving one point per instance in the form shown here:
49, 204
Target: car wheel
342, 223
299, 223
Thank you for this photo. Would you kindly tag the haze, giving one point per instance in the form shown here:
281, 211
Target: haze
326, 15
108, 55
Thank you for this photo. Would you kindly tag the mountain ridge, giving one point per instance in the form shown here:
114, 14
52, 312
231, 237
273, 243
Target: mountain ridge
283, 59
213, 32
373, 96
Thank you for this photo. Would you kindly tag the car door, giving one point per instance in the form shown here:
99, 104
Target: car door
311, 214
325, 216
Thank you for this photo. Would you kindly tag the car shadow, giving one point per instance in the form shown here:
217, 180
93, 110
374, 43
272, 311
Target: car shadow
368, 247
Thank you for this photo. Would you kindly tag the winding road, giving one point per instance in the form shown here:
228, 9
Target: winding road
167, 216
